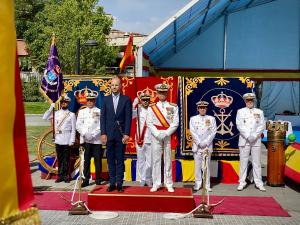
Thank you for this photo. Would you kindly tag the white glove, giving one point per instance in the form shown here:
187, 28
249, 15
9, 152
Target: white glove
135, 102
251, 138
202, 144
52, 106
162, 135
88, 137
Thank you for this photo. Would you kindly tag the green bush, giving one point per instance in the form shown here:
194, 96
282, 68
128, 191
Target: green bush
31, 91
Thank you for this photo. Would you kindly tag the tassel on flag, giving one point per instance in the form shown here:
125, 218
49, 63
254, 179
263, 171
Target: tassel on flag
128, 57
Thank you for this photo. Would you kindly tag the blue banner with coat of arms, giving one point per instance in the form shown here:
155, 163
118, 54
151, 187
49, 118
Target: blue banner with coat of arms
224, 96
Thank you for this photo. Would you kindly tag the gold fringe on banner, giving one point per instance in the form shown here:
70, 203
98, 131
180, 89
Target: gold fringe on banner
29, 216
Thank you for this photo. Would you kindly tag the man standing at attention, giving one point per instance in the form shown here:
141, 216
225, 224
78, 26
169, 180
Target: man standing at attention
65, 130
250, 123
116, 116
203, 130
88, 125
162, 120
143, 139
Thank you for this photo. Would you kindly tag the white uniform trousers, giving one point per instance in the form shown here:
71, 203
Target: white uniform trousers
244, 159
157, 149
198, 158
144, 162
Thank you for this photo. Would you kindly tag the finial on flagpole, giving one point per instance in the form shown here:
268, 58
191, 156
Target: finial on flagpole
53, 39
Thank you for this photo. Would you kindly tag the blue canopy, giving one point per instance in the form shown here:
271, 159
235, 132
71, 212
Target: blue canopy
188, 23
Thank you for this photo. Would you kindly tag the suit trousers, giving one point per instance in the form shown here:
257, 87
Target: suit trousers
198, 158
63, 158
144, 162
115, 158
159, 148
96, 151
244, 159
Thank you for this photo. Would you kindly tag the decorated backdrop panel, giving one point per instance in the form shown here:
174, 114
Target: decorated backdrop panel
77, 87
225, 98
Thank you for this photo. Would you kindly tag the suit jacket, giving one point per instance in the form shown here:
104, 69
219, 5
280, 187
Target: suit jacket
108, 118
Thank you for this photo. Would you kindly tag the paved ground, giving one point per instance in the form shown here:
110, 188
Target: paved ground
35, 120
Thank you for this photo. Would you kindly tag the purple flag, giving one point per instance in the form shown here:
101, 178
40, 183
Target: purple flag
52, 82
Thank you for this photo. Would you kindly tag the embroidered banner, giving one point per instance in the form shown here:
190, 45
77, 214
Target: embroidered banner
225, 98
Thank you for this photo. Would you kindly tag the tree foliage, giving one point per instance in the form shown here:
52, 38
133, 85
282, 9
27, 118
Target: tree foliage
70, 20
25, 14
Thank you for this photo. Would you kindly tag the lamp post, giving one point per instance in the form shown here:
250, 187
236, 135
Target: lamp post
87, 43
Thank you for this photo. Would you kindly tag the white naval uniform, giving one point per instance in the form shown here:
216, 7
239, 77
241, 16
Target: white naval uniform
170, 112
144, 162
88, 125
251, 124
64, 131
203, 130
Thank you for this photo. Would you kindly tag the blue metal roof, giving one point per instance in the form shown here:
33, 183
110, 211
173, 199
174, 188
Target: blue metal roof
189, 22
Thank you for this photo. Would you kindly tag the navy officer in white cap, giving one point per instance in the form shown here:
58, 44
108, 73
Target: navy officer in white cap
143, 139
203, 130
162, 120
251, 124
88, 125
65, 130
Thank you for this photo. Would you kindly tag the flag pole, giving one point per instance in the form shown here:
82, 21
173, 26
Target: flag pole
53, 110
135, 90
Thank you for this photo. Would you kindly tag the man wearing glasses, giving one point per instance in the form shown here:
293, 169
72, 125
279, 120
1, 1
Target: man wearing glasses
88, 125
250, 123
143, 139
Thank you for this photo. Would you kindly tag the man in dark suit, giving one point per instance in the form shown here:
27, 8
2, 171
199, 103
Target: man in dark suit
115, 121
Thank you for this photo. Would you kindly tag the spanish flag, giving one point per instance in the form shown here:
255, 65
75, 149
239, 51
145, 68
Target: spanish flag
128, 57
16, 196
292, 165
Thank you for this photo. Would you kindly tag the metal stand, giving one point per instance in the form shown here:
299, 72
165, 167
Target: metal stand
204, 210
79, 208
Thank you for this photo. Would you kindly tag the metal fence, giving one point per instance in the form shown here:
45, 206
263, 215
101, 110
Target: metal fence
31, 77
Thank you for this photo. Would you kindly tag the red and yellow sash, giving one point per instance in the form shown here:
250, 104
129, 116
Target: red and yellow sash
165, 125
160, 117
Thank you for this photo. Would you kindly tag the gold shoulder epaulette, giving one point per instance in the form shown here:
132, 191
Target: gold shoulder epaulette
173, 104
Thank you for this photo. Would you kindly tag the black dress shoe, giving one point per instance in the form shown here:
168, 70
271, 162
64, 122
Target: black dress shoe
85, 184
60, 179
120, 188
99, 182
111, 188
67, 180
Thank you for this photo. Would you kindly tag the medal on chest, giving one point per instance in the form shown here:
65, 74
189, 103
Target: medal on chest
170, 113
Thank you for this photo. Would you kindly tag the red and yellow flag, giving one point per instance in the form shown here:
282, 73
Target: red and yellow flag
128, 57
16, 196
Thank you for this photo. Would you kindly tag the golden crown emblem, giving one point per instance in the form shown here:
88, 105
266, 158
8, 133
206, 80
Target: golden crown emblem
148, 91
222, 100
81, 95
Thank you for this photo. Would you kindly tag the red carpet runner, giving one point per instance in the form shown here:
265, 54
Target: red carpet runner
140, 199
246, 205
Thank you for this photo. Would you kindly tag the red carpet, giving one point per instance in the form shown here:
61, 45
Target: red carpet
232, 205
246, 205
52, 200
